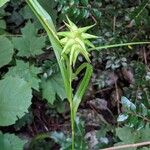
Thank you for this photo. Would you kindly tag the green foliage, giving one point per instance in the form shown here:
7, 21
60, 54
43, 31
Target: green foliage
6, 51
52, 86
49, 6
25, 67
11, 141
2, 2
102, 136
77, 9
2, 24
29, 44
140, 14
42, 141
134, 115
61, 139
15, 95
66, 71
130, 136
26, 119
65, 142
27, 72
27, 14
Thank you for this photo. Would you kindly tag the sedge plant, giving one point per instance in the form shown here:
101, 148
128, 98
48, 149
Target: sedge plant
67, 46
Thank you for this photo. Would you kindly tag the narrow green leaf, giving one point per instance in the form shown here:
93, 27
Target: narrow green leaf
118, 45
2, 2
137, 12
82, 88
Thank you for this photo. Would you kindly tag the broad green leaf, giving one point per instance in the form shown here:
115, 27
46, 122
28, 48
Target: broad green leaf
6, 51
2, 2
29, 45
127, 136
144, 148
53, 86
130, 136
15, 99
145, 136
27, 72
11, 142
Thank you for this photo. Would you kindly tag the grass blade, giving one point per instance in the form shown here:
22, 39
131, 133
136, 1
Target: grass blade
82, 87
118, 45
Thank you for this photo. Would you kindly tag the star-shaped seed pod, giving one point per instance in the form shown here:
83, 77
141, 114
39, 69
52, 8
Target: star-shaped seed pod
76, 41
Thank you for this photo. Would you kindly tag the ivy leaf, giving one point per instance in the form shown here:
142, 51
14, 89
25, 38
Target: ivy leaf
53, 86
15, 98
84, 2
6, 51
11, 141
27, 72
2, 2
127, 104
122, 117
29, 45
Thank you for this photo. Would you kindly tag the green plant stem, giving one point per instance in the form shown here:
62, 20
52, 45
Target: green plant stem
118, 45
72, 126
70, 72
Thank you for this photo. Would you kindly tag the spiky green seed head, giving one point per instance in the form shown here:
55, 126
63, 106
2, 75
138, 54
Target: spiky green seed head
76, 41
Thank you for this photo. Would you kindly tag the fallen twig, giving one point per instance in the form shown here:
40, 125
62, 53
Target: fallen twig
128, 146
